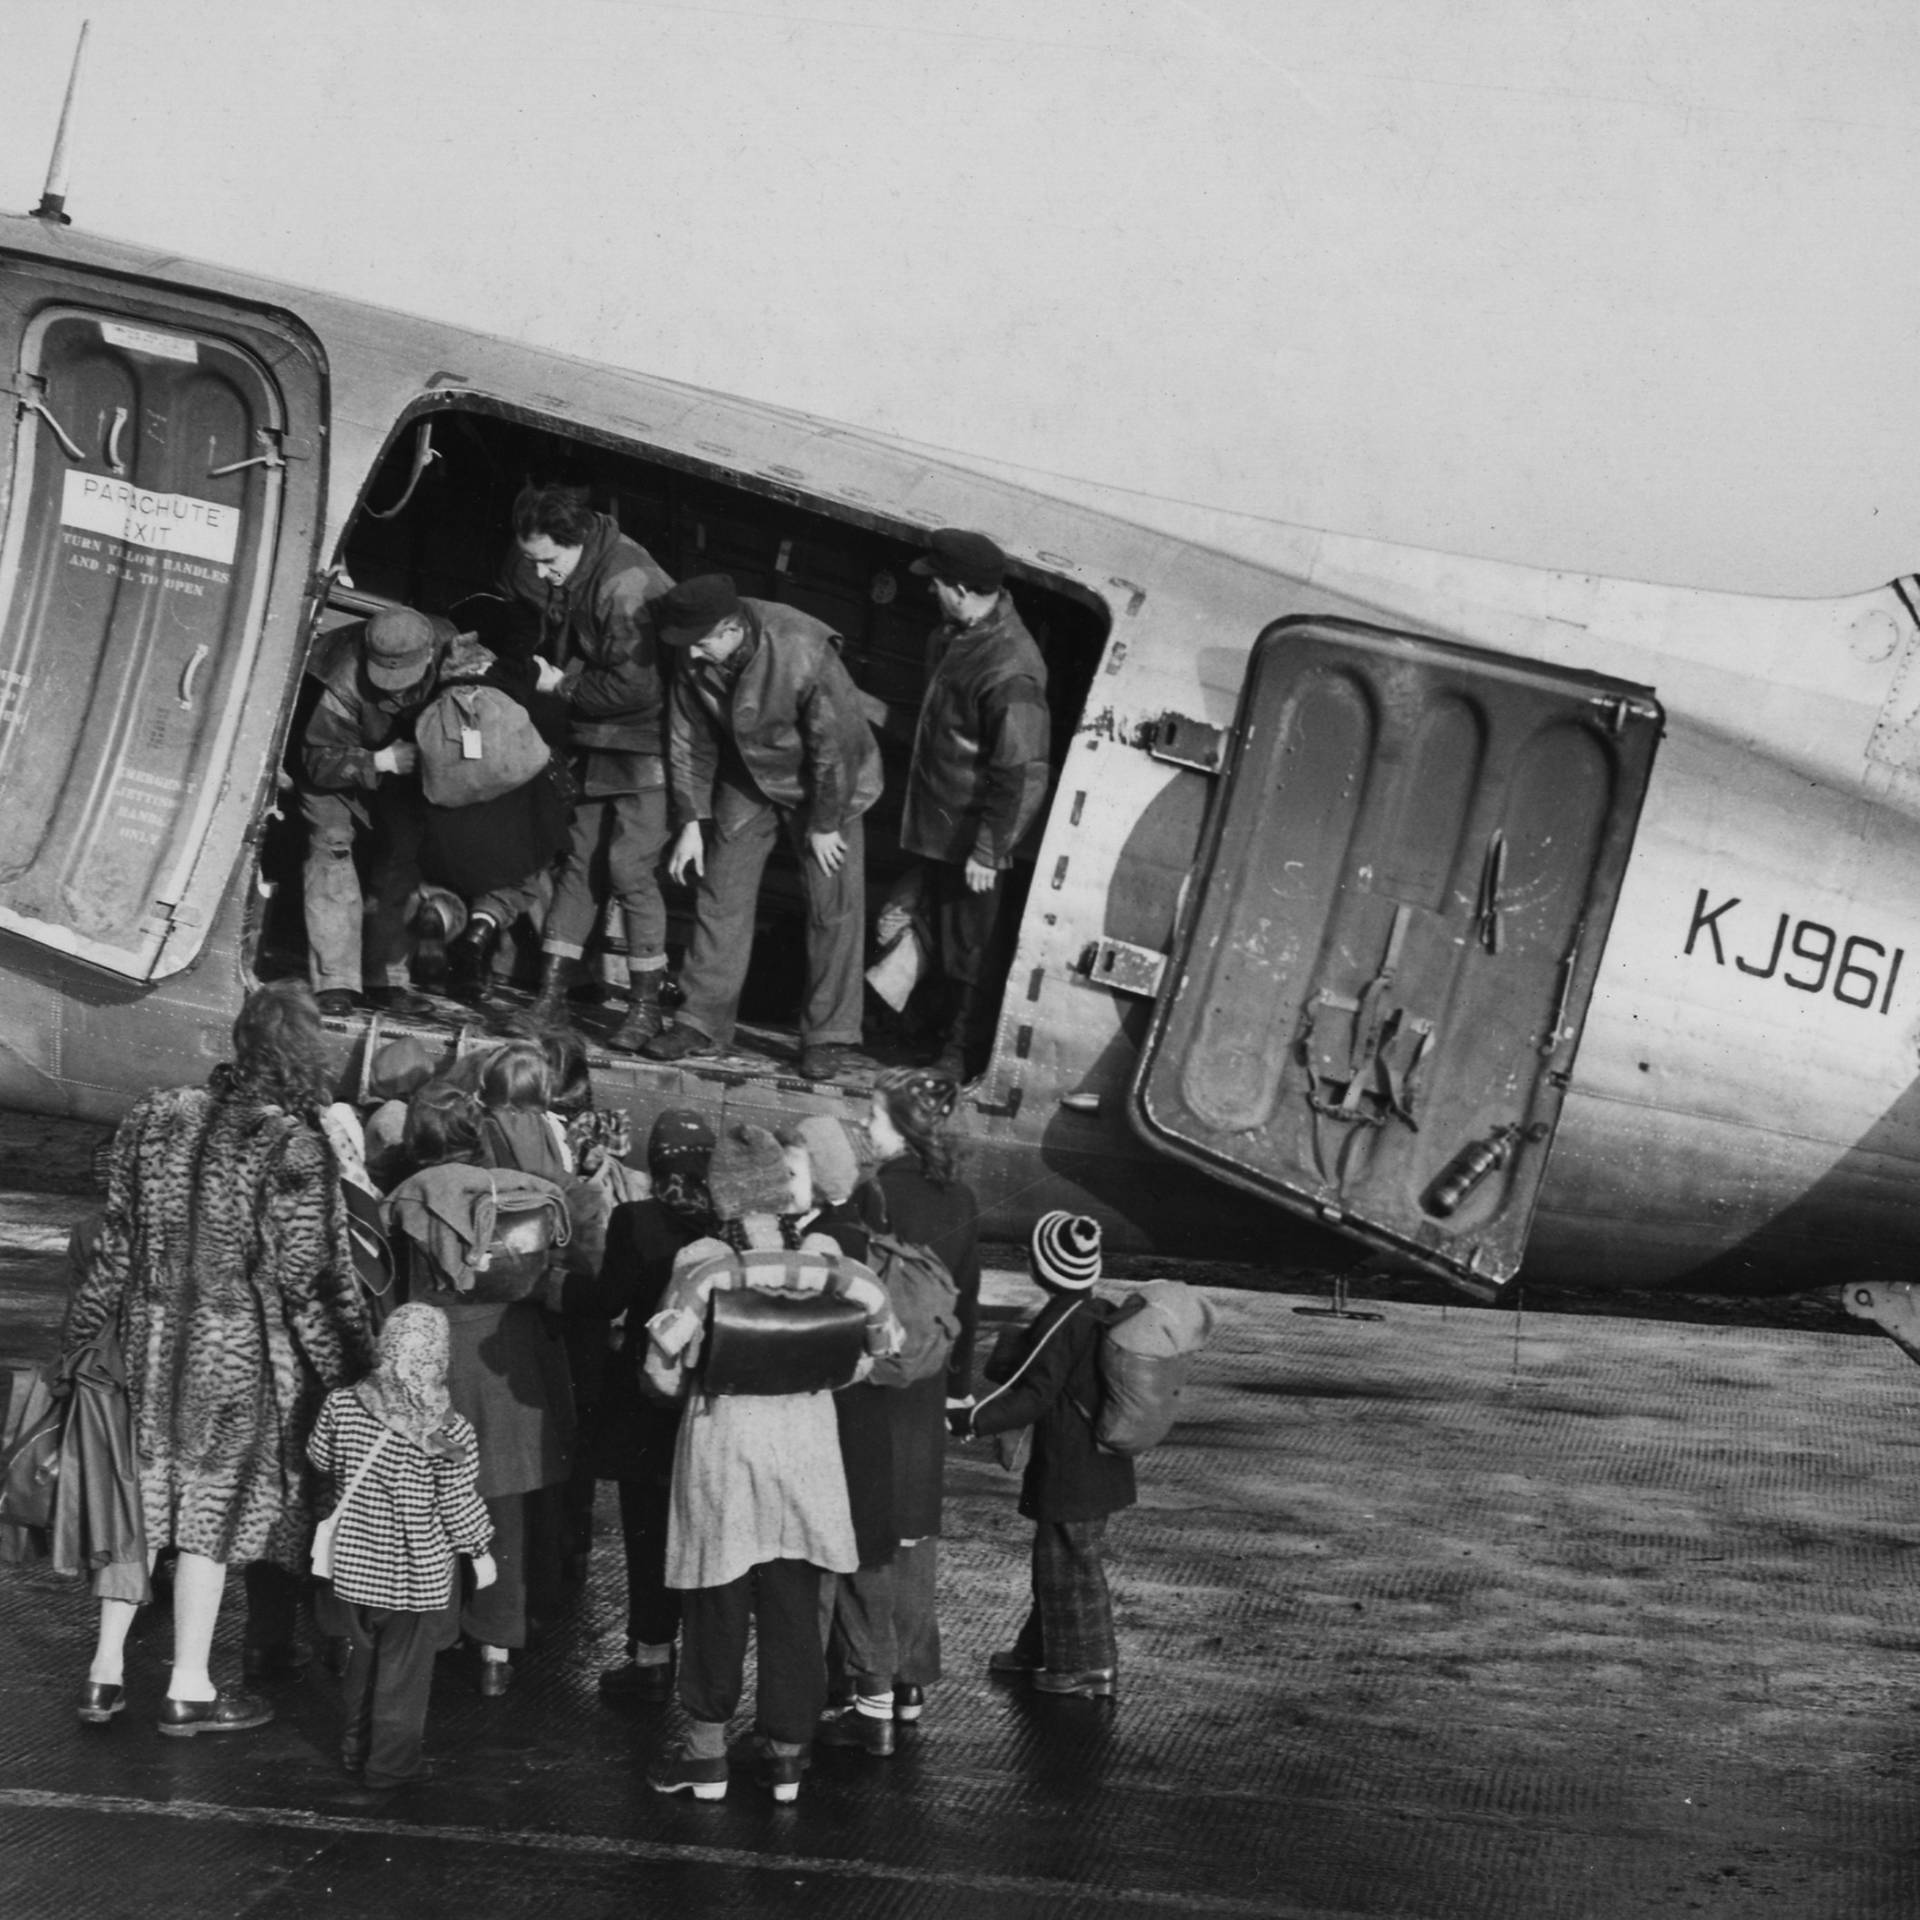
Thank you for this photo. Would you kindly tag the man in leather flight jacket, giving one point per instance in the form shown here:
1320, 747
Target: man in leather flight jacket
765, 730
594, 590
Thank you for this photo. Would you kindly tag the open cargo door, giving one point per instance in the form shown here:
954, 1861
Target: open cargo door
1385, 955
161, 517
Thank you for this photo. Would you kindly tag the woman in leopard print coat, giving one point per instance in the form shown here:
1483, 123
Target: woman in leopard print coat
224, 1260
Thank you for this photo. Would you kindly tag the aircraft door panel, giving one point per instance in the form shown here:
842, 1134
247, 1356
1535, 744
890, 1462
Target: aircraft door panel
1383, 962
143, 524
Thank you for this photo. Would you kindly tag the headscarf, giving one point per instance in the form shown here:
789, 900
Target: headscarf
928, 1097
407, 1389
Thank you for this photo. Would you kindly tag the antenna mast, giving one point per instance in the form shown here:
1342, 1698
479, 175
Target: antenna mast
53, 201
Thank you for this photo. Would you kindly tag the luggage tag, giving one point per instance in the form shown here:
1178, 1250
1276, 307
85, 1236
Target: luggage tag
469, 743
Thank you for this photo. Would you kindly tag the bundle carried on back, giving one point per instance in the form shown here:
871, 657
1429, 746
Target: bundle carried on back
1146, 1354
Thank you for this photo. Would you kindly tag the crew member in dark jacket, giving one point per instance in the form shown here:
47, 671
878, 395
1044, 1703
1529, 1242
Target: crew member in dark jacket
978, 777
1051, 1377
766, 730
360, 775
593, 588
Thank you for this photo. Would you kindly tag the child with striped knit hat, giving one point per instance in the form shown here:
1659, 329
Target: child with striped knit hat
1047, 1378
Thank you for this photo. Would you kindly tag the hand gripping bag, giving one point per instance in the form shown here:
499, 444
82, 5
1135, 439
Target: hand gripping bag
1146, 1354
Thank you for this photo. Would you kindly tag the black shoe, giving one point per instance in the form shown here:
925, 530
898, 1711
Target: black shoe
1011, 1664
828, 1061
557, 974
496, 1676
852, 1728
644, 1019
287, 1661
909, 1701
1091, 1683
402, 1002
628, 1682
470, 960
337, 1003
679, 1042
680, 1771
226, 1713
99, 1702
376, 1796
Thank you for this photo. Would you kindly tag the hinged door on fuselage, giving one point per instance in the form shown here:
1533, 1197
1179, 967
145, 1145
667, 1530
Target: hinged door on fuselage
1388, 946
162, 460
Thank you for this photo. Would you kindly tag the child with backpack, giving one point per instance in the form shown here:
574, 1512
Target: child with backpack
1048, 1377
758, 1513
402, 1465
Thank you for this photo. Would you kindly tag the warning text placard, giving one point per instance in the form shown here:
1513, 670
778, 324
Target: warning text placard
168, 522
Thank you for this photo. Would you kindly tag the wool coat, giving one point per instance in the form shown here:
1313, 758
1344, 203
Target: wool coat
947, 1219
864, 1414
756, 1477
632, 1431
224, 1255
1068, 1477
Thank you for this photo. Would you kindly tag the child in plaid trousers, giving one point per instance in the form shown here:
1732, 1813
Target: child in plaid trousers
1047, 1375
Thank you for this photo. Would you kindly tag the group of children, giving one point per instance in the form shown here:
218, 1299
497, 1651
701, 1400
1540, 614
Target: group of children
547, 1329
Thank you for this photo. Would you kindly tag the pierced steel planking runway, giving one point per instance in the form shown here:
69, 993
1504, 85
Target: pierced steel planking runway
1453, 1615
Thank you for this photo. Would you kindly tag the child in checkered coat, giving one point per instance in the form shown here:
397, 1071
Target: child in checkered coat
413, 1507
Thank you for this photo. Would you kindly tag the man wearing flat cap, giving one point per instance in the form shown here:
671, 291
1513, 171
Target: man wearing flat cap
978, 778
765, 732
361, 776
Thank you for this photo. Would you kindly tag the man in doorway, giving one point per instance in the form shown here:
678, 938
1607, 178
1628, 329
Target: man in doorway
978, 777
361, 772
594, 589
765, 731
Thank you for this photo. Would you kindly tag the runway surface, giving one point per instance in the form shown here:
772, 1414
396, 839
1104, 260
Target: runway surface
1460, 1613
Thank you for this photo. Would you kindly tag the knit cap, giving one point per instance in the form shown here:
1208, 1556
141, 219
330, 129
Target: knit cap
1066, 1250
748, 1174
680, 1138
398, 1068
836, 1166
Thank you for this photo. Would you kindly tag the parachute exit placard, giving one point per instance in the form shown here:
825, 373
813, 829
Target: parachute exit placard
165, 522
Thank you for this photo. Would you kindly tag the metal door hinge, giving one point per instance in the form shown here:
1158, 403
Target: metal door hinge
1184, 742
